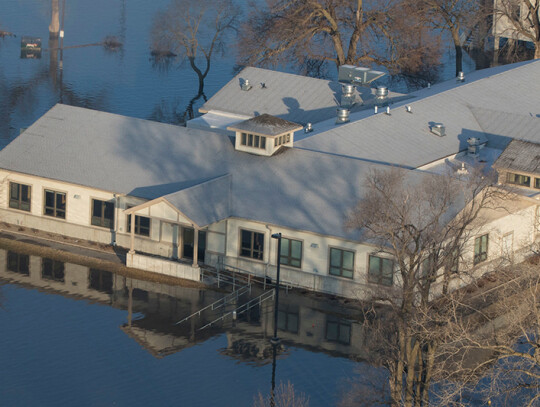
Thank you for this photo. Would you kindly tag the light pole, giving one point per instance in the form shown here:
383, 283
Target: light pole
275, 339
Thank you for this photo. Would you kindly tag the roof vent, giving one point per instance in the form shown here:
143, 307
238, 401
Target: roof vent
388, 110
381, 95
347, 95
308, 128
246, 85
474, 146
460, 76
408, 109
438, 129
342, 115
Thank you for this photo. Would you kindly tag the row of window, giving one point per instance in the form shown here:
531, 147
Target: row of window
380, 269
54, 204
253, 140
521, 180
282, 140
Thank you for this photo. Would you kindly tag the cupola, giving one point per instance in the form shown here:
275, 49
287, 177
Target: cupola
264, 134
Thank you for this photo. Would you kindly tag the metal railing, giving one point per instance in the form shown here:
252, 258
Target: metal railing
219, 303
267, 295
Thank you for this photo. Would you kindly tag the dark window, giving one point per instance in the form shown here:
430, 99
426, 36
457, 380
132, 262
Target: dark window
18, 263
250, 139
291, 252
518, 179
263, 142
100, 280
481, 248
252, 244
188, 242
288, 320
537, 183
381, 270
102, 213
341, 263
55, 204
338, 330
19, 196
244, 139
257, 139
142, 225
52, 270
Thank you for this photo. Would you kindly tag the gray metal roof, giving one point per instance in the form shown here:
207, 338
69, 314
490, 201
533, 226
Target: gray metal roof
405, 139
298, 189
521, 156
296, 98
267, 125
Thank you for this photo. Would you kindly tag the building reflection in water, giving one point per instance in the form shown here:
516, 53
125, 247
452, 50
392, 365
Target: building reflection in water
309, 322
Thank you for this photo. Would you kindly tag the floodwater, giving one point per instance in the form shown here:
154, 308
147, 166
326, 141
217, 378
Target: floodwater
72, 335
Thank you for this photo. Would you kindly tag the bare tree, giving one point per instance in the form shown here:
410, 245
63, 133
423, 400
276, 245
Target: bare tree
194, 30
518, 20
421, 225
456, 17
309, 33
284, 396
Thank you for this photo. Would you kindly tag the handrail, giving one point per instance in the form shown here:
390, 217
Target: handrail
223, 300
248, 305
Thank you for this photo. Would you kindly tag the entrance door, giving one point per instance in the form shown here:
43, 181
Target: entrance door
188, 242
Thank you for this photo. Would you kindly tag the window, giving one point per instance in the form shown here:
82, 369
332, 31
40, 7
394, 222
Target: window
251, 244
52, 270
100, 280
338, 330
453, 261
291, 252
252, 140
341, 263
381, 271
55, 204
142, 225
102, 213
480, 249
537, 183
288, 320
18, 263
19, 196
518, 179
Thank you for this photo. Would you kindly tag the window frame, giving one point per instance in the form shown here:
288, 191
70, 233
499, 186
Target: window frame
138, 224
340, 324
17, 267
379, 277
341, 268
17, 203
55, 275
102, 217
537, 183
516, 176
54, 208
288, 256
480, 256
251, 249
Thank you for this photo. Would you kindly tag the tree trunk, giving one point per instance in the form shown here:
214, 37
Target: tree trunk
54, 27
459, 50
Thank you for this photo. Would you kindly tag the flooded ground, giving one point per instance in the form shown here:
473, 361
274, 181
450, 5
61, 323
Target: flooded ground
72, 335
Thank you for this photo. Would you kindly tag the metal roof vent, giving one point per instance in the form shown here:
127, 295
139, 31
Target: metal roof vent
474, 146
460, 76
308, 128
408, 109
347, 95
246, 85
438, 129
381, 95
342, 115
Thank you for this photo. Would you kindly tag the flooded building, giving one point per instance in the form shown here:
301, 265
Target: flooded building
212, 194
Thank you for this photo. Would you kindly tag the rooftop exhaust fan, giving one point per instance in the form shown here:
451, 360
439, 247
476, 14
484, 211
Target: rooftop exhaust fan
438, 129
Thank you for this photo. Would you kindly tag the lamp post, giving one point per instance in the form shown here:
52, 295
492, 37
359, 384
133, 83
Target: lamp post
275, 339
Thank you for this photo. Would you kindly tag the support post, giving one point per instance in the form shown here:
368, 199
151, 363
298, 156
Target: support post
195, 246
132, 234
